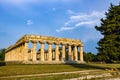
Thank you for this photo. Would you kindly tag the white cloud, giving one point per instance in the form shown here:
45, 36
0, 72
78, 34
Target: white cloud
82, 19
64, 28
86, 23
70, 12
29, 22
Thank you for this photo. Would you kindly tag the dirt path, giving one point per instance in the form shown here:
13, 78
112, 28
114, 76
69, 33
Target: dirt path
47, 74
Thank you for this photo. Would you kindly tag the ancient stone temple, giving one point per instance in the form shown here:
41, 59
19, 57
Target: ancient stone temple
65, 51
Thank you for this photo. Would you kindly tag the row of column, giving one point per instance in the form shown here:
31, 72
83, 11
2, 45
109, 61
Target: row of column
56, 52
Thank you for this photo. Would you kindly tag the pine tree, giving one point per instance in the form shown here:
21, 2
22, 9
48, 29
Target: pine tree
109, 46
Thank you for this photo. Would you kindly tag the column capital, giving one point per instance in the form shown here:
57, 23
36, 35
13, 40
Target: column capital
63, 43
75, 44
49, 43
80, 44
56, 43
34, 41
42, 42
70, 44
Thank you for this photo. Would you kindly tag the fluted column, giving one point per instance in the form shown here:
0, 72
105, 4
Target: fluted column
75, 53
63, 52
42, 51
25, 51
22, 50
34, 50
49, 51
81, 54
15, 54
56, 52
69, 52
18, 52
72, 54
22, 46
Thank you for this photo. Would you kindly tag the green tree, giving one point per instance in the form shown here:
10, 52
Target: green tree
89, 57
109, 45
2, 54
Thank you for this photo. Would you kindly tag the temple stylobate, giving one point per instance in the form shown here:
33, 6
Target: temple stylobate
65, 50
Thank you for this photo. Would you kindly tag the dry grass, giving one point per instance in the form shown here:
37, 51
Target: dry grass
9, 70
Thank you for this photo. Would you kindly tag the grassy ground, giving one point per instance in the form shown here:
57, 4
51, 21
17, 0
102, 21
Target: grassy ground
55, 77
66, 76
12, 70
35, 69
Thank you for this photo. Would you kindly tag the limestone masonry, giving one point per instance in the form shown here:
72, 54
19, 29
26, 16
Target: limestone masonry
65, 51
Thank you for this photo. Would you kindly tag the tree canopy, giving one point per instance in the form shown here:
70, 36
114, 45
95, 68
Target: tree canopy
90, 57
2, 54
109, 46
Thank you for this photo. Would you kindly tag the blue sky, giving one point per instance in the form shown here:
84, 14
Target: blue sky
59, 18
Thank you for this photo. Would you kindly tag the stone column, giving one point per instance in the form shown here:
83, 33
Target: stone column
63, 52
72, 54
49, 51
81, 54
42, 51
45, 55
53, 54
18, 52
34, 50
56, 52
25, 51
14, 55
22, 50
75, 53
69, 52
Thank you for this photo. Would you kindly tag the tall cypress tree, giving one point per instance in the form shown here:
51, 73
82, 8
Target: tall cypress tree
109, 45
